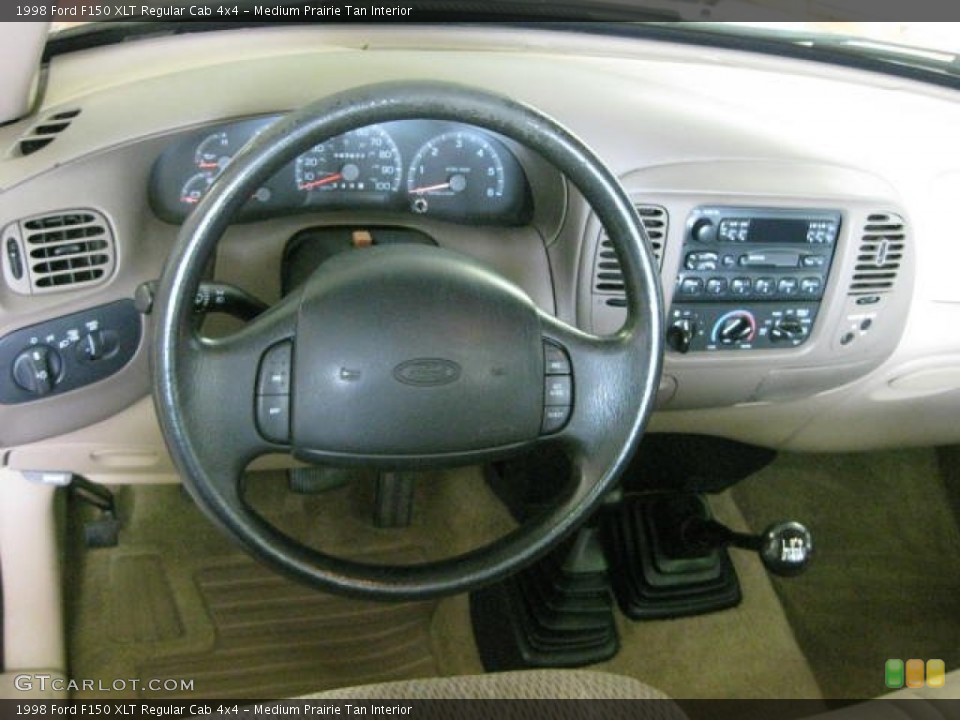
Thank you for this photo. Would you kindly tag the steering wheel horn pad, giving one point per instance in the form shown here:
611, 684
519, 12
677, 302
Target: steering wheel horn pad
449, 355
406, 353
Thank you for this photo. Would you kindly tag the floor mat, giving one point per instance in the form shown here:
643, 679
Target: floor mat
886, 576
176, 600
276, 638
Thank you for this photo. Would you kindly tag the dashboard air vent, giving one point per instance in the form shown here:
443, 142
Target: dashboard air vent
66, 250
46, 131
879, 256
607, 278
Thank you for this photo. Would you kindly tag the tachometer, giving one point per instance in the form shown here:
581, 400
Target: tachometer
456, 170
361, 161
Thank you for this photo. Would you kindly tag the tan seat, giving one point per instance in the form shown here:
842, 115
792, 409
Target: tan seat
521, 685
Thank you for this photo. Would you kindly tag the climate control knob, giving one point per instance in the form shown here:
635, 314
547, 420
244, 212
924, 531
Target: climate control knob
37, 369
736, 327
680, 334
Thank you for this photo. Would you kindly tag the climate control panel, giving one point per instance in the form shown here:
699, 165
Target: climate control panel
68, 352
722, 326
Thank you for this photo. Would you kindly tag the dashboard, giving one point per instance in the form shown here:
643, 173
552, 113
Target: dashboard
424, 167
803, 271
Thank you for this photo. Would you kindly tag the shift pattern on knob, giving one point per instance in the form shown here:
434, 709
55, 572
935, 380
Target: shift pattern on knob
37, 369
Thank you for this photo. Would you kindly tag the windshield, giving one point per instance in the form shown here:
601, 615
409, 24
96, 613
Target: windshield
937, 39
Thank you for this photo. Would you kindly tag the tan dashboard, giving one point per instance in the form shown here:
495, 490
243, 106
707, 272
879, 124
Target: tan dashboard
691, 132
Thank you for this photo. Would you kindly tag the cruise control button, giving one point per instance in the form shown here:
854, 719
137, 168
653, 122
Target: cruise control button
554, 418
555, 361
274, 376
558, 390
273, 417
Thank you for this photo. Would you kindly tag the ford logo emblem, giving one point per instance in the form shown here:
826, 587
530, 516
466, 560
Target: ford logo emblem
427, 372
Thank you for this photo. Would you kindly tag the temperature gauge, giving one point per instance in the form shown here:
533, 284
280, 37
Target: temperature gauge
213, 153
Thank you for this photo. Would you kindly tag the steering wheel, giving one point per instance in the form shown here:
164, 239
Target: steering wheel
404, 356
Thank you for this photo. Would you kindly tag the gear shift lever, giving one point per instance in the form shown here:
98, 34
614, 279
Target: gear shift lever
784, 548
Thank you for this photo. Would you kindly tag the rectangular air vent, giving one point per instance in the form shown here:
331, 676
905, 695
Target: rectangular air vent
53, 252
878, 258
607, 278
45, 131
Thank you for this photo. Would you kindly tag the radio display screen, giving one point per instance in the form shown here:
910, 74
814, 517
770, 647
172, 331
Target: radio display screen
788, 231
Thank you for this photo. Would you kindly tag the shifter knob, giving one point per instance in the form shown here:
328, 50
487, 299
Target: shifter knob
785, 548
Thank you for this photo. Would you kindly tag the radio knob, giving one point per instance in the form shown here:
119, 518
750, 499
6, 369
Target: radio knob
37, 369
680, 334
704, 230
735, 328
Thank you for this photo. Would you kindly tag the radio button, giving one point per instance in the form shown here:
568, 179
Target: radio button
701, 261
765, 286
787, 286
814, 261
741, 286
729, 261
811, 286
716, 286
691, 286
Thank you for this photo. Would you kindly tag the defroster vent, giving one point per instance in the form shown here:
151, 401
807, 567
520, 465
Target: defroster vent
45, 131
607, 276
881, 251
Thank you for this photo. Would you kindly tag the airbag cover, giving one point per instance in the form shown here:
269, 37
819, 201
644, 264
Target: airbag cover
414, 351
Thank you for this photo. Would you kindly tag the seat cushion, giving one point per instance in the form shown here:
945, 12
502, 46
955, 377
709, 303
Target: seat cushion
522, 685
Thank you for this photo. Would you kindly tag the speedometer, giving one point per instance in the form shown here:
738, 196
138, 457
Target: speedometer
361, 161
456, 170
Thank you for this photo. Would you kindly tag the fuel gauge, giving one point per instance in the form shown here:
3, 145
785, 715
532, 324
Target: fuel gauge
194, 188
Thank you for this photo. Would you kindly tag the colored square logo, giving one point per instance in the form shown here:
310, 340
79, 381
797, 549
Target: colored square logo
915, 673
936, 674
893, 674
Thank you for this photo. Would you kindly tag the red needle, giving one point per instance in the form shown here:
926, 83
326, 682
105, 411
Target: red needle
208, 165
322, 181
431, 188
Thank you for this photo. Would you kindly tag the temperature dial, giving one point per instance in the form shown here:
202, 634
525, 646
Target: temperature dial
734, 328
37, 369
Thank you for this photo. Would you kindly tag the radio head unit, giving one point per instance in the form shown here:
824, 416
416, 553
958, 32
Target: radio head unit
751, 278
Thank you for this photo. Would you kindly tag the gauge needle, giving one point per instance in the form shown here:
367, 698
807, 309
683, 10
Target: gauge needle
430, 188
208, 165
322, 181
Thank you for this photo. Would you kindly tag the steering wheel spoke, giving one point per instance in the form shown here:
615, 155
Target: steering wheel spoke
590, 389
235, 395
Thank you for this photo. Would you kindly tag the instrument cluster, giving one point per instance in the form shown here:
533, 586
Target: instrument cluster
435, 168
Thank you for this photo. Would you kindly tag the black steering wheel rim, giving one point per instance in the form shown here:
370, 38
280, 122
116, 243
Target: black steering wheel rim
619, 375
